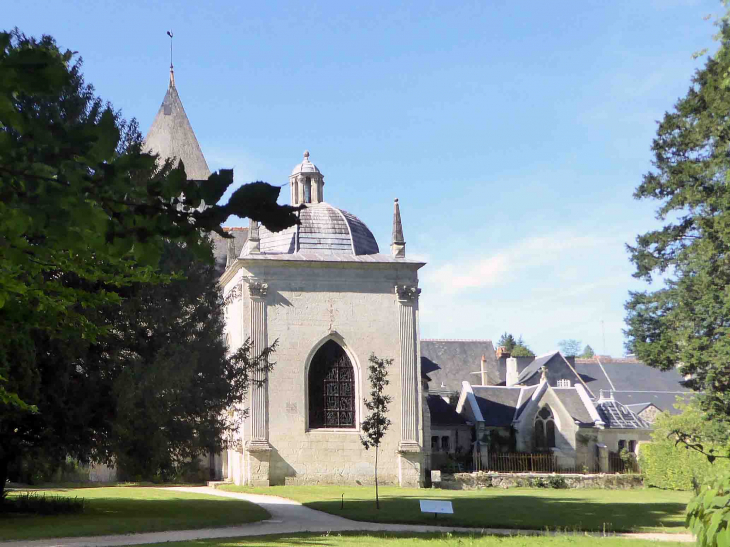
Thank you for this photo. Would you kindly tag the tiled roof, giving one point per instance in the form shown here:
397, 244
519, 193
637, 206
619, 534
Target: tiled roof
450, 362
442, 413
172, 136
497, 404
534, 367
574, 404
322, 228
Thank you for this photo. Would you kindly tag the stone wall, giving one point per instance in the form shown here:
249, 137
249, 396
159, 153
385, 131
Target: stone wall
475, 481
307, 304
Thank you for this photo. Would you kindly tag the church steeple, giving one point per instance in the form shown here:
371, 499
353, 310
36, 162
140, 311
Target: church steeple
172, 136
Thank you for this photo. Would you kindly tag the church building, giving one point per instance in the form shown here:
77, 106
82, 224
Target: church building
329, 299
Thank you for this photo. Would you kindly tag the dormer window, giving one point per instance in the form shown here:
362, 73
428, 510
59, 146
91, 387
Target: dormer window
563, 383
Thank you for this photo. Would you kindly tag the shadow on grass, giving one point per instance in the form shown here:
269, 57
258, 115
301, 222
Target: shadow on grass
122, 515
518, 512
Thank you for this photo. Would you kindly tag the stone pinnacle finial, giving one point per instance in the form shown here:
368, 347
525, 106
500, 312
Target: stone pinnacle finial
398, 245
306, 155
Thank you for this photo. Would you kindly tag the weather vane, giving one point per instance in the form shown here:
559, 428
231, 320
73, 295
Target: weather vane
169, 33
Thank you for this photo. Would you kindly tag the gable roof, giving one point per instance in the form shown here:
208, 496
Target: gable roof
632, 382
172, 136
573, 403
618, 416
442, 413
497, 404
534, 367
450, 362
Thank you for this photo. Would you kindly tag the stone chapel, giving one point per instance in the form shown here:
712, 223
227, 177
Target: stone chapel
329, 298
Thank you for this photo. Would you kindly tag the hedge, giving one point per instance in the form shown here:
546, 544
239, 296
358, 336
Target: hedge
665, 465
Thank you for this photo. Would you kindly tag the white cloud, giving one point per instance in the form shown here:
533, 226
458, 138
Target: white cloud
505, 265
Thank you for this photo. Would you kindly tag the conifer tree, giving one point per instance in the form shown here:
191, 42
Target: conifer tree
686, 323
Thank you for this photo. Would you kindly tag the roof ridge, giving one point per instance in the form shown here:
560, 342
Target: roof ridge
455, 340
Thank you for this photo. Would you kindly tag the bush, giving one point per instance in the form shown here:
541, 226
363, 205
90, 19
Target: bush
665, 465
41, 504
557, 482
708, 514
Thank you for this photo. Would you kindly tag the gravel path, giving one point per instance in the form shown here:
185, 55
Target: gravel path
289, 517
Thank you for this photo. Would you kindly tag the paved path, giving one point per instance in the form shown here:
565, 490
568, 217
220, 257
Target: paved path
289, 517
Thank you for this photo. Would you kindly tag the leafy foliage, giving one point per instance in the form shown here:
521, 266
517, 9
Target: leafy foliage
570, 347
376, 423
708, 514
667, 463
80, 200
41, 504
521, 349
85, 216
686, 323
507, 341
587, 352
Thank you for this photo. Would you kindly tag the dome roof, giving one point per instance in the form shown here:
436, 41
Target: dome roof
306, 166
322, 228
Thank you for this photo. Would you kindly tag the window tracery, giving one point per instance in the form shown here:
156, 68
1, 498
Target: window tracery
331, 388
545, 428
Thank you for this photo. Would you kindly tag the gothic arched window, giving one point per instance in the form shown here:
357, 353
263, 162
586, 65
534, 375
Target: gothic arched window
331, 388
545, 428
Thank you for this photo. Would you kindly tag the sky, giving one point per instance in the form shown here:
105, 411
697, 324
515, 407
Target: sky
513, 133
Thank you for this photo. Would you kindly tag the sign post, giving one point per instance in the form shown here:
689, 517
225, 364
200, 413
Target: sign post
436, 507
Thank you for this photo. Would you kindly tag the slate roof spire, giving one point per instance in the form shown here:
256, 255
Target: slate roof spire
172, 136
398, 245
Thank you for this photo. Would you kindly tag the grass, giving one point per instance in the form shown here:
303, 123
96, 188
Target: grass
645, 510
124, 510
421, 540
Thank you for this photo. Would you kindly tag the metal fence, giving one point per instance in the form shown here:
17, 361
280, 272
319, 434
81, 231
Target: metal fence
547, 463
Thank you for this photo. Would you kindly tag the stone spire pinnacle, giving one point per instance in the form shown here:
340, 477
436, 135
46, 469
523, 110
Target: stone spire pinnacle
398, 245
172, 136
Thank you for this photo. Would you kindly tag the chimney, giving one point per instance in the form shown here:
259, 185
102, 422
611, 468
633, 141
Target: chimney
512, 374
502, 352
483, 369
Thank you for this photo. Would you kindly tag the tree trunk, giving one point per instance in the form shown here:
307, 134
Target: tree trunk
377, 499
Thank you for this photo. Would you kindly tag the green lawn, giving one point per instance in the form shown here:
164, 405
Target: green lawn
645, 510
421, 540
123, 510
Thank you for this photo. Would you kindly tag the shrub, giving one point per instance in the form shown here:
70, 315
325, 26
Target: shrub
665, 465
41, 504
708, 514
557, 482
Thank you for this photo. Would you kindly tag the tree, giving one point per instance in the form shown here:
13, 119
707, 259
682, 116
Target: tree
570, 347
84, 216
507, 341
588, 352
376, 423
79, 198
175, 381
521, 349
686, 323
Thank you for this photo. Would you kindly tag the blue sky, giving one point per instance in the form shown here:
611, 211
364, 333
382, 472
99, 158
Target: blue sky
513, 133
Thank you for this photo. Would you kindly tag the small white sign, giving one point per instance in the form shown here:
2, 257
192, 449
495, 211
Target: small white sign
436, 506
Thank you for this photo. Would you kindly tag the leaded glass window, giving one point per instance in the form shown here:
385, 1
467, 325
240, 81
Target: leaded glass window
544, 429
331, 388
